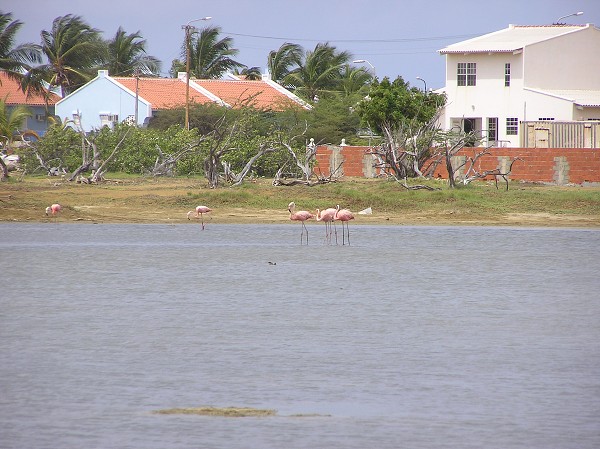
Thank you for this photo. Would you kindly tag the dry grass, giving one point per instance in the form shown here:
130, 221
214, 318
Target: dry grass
167, 200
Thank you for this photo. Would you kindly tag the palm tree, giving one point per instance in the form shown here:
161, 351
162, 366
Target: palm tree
354, 80
249, 73
15, 60
280, 62
210, 57
127, 55
11, 119
320, 73
10, 122
74, 50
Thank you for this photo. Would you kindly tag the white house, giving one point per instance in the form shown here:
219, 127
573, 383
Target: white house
498, 81
106, 100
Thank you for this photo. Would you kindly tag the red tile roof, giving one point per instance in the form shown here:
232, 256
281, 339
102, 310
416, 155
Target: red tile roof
259, 94
168, 93
163, 93
10, 91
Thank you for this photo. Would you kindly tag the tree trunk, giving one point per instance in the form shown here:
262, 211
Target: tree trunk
4, 176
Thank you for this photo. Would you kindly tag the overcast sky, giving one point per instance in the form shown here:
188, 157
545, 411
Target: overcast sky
398, 37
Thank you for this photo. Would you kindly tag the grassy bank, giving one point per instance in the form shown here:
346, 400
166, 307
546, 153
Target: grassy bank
167, 200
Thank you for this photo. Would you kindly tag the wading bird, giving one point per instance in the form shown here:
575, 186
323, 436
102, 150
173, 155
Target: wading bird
199, 213
327, 216
344, 216
53, 210
301, 216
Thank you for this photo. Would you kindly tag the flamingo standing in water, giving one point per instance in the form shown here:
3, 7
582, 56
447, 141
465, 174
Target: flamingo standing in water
344, 216
198, 213
327, 216
53, 210
301, 216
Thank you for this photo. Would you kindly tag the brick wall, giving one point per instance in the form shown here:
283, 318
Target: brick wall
549, 165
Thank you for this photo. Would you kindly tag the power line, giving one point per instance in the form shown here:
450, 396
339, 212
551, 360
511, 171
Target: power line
409, 39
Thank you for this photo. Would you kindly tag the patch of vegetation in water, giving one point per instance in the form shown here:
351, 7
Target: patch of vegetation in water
234, 412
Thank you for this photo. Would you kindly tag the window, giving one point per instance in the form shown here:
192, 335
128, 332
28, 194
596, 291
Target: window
507, 74
108, 119
40, 117
545, 119
466, 74
492, 129
512, 126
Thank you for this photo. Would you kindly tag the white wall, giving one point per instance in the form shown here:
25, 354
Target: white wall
489, 98
571, 61
101, 95
538, 105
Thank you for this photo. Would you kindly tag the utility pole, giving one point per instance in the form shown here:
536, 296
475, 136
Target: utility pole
188, 33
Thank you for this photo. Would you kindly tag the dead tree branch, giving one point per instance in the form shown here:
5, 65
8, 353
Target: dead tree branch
238, 179
473, 174
100, 171
165, 163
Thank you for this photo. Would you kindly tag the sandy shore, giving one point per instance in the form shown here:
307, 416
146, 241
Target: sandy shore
168, 201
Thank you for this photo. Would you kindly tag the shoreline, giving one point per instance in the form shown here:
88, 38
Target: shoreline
167, 201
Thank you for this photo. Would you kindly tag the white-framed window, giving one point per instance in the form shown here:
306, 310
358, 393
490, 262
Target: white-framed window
512, 126
40, 117
507, 74
107, 119
466, 74
492, 127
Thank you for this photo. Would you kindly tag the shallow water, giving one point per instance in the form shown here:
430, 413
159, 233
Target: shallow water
415, 337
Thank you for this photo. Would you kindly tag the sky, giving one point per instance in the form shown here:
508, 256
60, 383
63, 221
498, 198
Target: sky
396, 37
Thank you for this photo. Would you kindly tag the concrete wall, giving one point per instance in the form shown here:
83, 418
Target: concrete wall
548, 165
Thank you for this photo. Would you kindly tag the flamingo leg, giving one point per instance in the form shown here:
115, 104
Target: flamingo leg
347, 230
202, 221
304, 229
335, 229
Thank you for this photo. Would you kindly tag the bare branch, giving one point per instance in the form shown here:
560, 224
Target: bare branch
99, 172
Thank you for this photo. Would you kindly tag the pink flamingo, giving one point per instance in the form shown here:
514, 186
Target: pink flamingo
198, 213
327, 216
54, 209
344, 216
301, 216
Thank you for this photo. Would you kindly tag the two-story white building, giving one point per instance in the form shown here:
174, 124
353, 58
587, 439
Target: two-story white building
498, 81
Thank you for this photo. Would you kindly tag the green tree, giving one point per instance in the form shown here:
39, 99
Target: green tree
354, 80
59, 147
74, 51
210, 56
280, 62
11, 120
334, 119
15, 60
407, 118
320, 72
127, 55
